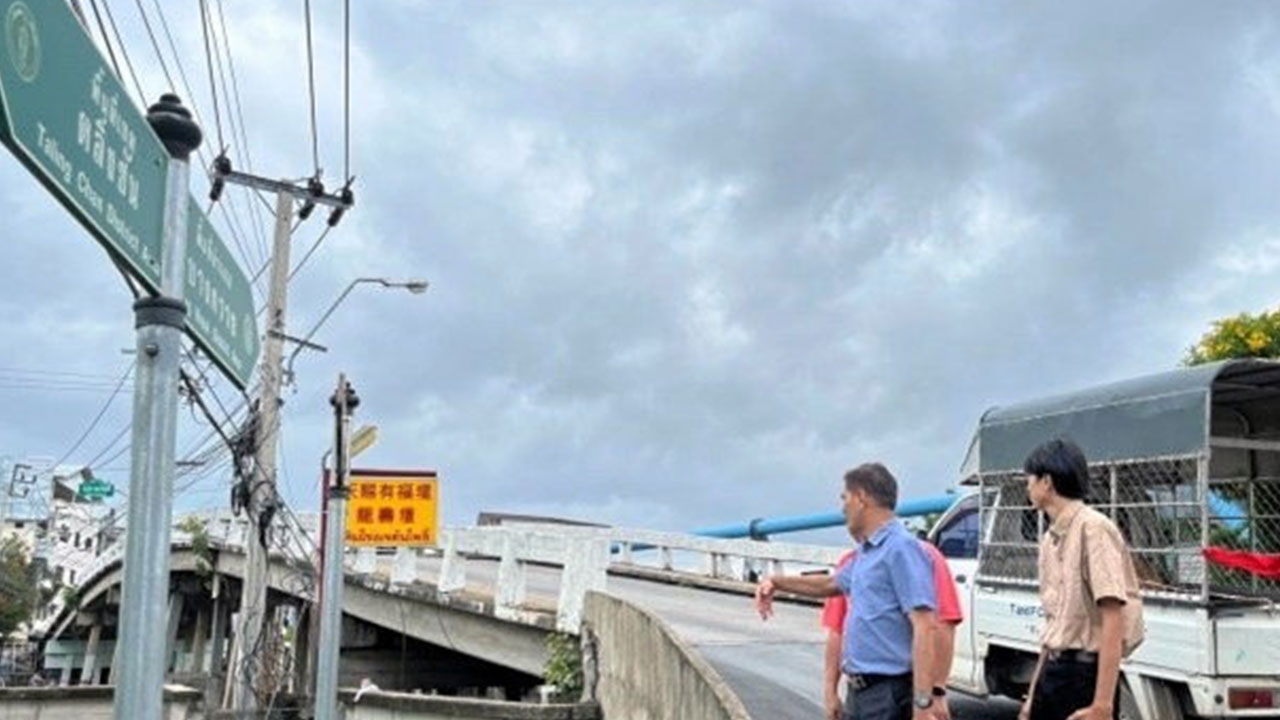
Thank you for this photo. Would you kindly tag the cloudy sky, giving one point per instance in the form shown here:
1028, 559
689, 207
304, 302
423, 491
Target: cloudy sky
689, 261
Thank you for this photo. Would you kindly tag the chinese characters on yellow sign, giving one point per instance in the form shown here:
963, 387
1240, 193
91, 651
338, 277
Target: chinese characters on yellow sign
392, 507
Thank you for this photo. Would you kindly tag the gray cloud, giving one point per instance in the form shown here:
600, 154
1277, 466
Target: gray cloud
689, 262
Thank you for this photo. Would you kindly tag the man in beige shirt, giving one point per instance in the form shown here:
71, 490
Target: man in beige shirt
1089, 590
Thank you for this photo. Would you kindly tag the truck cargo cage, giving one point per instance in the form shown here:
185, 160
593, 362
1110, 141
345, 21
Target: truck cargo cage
1182, 461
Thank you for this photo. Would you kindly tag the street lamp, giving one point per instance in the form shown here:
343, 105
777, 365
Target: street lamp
415, 286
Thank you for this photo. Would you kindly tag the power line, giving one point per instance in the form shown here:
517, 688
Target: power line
177, 58
310, 251
58, 374
238, 118
346, 89
311, 83
154, 44
111, 444
96, 418
124, 52
208, 56
102, 30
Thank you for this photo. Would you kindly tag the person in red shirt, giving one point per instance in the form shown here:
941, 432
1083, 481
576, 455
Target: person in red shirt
835, 609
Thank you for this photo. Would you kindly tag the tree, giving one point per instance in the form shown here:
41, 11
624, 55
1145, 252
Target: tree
17, 600
1241, 336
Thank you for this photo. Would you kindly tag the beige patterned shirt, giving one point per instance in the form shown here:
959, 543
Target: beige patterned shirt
1083, 558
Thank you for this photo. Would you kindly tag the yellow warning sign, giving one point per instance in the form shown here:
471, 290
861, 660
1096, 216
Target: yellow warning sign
392, 508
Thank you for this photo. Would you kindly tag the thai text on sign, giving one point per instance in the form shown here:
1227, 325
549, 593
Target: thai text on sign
392, 508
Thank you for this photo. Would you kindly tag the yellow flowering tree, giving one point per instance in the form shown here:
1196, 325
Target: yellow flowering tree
1246, 335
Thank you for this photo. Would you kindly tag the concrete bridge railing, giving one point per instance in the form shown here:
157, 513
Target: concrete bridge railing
586, 555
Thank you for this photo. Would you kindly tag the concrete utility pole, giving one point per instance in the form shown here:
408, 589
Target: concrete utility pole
262, 499
344, 402
262, 491
159, 320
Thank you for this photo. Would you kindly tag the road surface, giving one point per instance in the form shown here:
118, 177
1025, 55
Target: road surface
775, 667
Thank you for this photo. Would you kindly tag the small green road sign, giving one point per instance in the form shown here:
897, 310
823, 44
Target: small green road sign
96, 489
72, 124
220, 313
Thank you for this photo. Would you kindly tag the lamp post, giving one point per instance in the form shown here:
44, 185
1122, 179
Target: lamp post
415, 286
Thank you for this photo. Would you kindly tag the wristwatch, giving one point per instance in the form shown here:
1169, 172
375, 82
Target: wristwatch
924, 700
939, 691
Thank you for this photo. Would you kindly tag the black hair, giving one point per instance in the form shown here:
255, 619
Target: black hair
876, 481
1064, 463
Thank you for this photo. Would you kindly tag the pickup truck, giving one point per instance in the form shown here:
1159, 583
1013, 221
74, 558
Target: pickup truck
1182, 461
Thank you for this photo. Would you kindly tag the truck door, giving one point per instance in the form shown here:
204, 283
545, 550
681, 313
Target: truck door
957, 536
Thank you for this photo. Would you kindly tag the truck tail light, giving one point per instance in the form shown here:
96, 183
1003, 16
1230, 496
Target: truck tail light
1249, 699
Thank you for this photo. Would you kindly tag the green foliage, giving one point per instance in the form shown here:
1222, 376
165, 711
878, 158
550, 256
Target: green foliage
199, 545
17, 600
1242, 336
564, 666
71, 597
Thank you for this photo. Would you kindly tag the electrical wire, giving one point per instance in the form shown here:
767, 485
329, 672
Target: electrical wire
96, 418
346, 89
237, 117
146, 22
234, 230
124, 52
310, 251
94, 461
208, 56
311, 84
106, 41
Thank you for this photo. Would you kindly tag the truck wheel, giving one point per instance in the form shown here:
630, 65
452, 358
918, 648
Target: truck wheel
1165, 703
1129, 705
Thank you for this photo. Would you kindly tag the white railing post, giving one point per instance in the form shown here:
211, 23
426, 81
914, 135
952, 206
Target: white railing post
509, 596
453, 569
664, 555
366, 560
586, 568
406, 567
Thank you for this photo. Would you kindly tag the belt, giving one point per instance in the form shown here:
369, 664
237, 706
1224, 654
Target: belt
1081, 657
862, 681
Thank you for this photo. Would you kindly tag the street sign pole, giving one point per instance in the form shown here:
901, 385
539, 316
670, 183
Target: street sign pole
344, 401
159, 321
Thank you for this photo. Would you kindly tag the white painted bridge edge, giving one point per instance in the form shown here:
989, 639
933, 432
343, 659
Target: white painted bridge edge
584, 553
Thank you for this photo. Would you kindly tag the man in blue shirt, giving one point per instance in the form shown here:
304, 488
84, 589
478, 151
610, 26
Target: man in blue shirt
888, 644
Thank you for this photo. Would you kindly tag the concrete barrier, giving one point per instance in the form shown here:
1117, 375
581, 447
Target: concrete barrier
645, 672
88, 703
404, 706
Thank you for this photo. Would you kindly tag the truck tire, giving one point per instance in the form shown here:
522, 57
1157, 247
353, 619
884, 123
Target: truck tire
1164, 702
1128, 709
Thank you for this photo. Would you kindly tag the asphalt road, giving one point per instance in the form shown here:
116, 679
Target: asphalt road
775, 667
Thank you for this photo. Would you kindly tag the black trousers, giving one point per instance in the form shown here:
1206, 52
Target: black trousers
888, 699
1066, 686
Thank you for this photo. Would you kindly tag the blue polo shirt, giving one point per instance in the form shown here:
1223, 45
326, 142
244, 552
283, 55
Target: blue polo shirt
888, 578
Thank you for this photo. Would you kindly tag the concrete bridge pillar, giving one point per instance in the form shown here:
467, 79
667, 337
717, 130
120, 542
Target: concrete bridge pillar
199, 639
176, 600
89, 674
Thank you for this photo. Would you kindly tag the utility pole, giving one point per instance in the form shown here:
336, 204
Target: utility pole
344, 402
261, 498
159, 320
262, 492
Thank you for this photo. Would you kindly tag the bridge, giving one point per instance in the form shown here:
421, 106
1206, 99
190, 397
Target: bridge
665, 620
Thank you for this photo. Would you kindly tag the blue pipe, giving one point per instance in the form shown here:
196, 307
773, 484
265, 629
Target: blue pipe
797, 523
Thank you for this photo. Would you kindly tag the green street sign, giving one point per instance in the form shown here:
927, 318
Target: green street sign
96, 489
67, 119
220, 313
